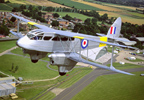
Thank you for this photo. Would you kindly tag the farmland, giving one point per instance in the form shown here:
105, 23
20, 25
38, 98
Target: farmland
77, 5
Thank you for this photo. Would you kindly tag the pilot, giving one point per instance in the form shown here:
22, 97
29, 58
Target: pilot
35, 38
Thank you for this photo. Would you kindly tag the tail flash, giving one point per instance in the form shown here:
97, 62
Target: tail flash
114, 30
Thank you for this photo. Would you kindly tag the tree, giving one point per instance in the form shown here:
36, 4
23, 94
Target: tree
87, 21
39, 7
30, 7
15, 9
94, 21
104, 17
2, 1
13, 19
56, 15
67, 17
55, 23
4, 29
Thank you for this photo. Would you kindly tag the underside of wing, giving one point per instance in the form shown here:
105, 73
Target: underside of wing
76, 57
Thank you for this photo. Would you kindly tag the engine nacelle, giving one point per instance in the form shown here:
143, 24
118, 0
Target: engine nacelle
62, 61
35, 55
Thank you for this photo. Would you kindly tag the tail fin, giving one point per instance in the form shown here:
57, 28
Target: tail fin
114, 30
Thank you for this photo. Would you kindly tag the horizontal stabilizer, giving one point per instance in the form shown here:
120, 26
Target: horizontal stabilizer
100, 34
76, 57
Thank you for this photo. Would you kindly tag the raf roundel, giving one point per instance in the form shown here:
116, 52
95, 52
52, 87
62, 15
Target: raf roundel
84, 43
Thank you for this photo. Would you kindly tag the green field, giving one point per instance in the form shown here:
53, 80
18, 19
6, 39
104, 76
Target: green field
77, 15
77, 5
5, 7
5, 45
114, 87
125, 66
26, 69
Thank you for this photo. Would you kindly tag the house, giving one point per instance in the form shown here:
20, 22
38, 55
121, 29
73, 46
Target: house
47, 16
63, 23
76, 20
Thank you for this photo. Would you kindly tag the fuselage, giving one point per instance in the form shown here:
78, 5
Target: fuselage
37, 40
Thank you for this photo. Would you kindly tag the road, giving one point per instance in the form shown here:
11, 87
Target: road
68, 93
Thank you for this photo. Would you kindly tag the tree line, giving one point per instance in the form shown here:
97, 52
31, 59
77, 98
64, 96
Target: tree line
135, 3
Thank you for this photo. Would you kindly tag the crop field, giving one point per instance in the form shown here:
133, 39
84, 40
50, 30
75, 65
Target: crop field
106, 8
114, 87
77, 5
113, 5
131, 17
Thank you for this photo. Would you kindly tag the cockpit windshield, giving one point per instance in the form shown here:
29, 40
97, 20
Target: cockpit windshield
35, 35
30, 35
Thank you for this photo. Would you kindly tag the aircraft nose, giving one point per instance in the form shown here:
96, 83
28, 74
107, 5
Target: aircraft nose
17, 43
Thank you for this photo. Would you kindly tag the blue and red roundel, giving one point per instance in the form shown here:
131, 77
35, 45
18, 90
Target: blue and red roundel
84, 43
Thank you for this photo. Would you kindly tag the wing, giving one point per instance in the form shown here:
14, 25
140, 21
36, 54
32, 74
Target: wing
68, 33
76, 57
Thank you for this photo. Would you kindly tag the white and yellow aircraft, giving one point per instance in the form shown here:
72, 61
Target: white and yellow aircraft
64, 45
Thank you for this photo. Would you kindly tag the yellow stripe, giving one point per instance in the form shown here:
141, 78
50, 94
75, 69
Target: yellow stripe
103, 39
32, 23
78, 37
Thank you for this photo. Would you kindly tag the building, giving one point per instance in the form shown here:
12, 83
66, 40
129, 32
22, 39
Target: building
63, 23
7, 86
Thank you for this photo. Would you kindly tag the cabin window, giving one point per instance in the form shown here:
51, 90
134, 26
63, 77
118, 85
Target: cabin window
47, 37
64, 38
71, 39
56, 39
40, 36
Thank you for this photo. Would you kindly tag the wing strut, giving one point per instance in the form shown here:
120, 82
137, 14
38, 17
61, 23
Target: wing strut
17, 25
111, 66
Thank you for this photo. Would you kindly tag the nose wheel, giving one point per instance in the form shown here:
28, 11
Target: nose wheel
34, 61
62, 73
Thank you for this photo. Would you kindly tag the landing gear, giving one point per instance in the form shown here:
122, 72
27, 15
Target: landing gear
62, 73
34, 61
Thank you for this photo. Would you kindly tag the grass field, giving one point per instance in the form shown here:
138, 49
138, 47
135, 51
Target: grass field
26, 69
114, 87
77, 15
125, 66
137, 60
5, 45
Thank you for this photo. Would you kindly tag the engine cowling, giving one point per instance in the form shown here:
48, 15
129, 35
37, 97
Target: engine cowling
62, 61
35, 55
